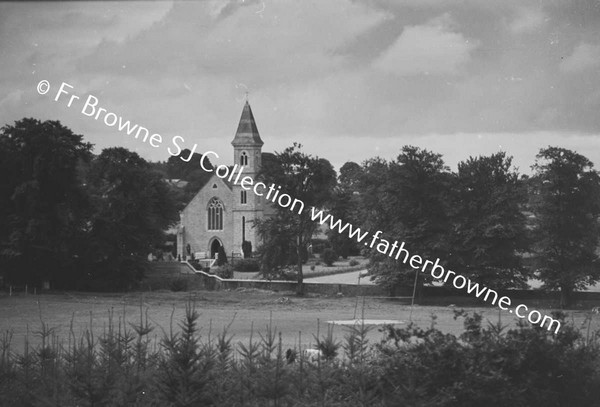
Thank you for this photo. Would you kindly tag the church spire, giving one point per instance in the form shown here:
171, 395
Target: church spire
247, 132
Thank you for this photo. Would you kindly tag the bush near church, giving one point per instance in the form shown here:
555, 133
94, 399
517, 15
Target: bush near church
329, 256
247, 265
225, 271
247, 249
222, 256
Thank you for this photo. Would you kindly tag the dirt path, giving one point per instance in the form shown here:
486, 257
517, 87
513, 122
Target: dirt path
344, 278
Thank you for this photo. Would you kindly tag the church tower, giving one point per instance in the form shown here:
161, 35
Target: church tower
247, 206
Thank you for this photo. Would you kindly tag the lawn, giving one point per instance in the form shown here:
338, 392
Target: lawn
240, 310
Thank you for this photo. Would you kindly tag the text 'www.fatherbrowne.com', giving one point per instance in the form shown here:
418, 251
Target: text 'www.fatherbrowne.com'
398, 251
91, 108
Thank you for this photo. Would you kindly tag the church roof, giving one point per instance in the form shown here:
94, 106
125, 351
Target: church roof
247, 132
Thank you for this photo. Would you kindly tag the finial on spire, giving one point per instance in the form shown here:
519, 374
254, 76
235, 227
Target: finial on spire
246, 96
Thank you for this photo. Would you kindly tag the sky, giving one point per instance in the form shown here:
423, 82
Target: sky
349, 80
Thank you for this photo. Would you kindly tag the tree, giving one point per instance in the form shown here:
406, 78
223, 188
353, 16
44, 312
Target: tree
42, 201
222, 256
132, 209
183, 165
247, 249
288, 233
375, 195
329, 257
413, 197
566, 203
344, 205
489, 225
349, 178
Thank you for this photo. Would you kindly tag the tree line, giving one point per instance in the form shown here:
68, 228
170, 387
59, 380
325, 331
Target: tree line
75, 219
485, 220
88, 221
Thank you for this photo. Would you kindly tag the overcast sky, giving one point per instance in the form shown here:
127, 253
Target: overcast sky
350, 80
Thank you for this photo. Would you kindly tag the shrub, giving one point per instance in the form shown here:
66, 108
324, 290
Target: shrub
247, 249
354, 262
329, 256
312, 267
318, 245
225, 271
247, 265
178, 284
328, 345
222, 258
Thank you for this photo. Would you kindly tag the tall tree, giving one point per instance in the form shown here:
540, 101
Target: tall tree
376, 194
414, 201
42, 202
344, 206
566, 203
490, 233
349, 177
132, 210
303, 177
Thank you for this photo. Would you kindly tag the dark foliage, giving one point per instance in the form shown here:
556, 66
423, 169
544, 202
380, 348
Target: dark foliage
131, 209
287, 234
225, 271
318, 245
247, 265
489, 228
565, 198
222, 256
43, 204
407, 199
484, 366
329, 256
247, 248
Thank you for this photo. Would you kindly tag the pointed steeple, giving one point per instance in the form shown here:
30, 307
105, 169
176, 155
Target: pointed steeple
247, 132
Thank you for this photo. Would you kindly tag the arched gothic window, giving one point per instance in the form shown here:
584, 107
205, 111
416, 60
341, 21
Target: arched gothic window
215, 214
244, 158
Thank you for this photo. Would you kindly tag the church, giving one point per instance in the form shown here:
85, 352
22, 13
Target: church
221, 214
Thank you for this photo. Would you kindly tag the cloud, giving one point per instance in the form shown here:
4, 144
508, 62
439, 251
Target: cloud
527, 20
584, 56
257, 43
317, 72
431, 49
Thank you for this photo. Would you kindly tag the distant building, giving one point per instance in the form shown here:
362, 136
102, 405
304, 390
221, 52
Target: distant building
221, 214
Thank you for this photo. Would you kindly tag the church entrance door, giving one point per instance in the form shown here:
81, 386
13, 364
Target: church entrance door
214, 248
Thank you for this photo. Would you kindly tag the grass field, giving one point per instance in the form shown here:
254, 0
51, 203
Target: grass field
22, 314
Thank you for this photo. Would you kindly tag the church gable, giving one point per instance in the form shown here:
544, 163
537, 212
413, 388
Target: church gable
207, 192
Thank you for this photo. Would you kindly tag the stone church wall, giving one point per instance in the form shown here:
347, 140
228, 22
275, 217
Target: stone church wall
195, 218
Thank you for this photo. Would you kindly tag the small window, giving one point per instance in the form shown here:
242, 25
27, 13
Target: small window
243, 197
244, 158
